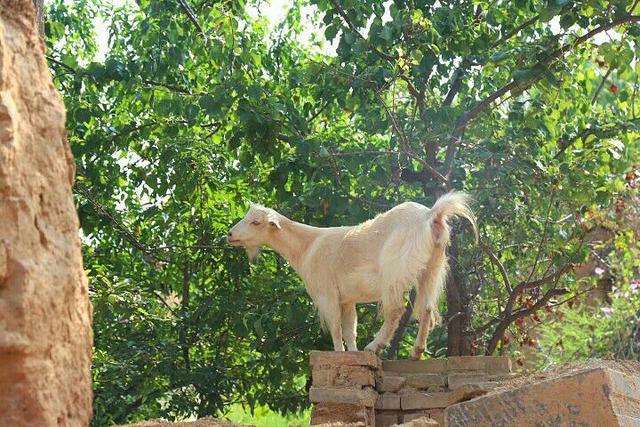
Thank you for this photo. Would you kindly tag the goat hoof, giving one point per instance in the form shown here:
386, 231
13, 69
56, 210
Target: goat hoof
372, 348
416, 353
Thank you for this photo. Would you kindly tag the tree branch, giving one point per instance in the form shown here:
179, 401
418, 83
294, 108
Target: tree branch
192, 17
494, 259
353, 28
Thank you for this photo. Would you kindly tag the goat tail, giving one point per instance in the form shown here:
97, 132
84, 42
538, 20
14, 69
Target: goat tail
454, 203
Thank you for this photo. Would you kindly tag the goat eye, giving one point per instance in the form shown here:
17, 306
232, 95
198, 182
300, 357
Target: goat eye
255, 223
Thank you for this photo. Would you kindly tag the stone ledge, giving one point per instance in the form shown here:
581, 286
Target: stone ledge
343, 358
354, 396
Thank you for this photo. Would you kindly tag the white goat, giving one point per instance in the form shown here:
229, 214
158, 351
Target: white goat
376, 261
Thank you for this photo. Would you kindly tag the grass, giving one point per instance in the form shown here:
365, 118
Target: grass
264, 417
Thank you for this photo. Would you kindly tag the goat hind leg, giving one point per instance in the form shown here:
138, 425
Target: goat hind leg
392, 315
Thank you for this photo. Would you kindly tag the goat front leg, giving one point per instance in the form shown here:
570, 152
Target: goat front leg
349, 326
330, 317
392, 312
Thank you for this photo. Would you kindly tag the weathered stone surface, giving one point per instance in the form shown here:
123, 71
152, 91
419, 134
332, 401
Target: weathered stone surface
391, 383
343, 358
457, 380
426, 380
343, 376
421, 422
438, 415
387, 419
497, 364
424, 400
388, 401
331, 412
593, 396
410, 416
430, 366
45, 314
356, 396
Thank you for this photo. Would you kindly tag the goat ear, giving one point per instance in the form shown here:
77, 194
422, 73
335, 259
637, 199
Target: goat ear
274, 221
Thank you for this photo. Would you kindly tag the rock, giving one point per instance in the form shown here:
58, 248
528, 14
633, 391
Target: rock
343, 376
356, 396
426, 380
45, 313
388, 401
430, 366
343, 358
328, 412
600, 395
391, 383
421, 422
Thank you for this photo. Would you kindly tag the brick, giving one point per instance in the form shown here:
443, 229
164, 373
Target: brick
593, 395
388, 401
343, 376
425, 380
430, 366
387, 419
456, 380
423, 400
466, 363
356, 396
342, 358
497, 364
391, 383
329, 412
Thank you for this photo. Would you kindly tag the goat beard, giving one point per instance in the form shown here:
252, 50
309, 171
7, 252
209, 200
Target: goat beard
252, 253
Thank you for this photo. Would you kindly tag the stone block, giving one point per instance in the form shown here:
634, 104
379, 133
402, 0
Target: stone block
438, 415
456, 380
331, 412
423, 381
430, 366
410, 416
424, 400
355, 396
590, 396
422, 422
497, 364
387, 419
466, 363
388, 401
390, 383
343, 358
343, 376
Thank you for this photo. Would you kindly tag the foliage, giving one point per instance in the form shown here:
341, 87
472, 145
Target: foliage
182, 124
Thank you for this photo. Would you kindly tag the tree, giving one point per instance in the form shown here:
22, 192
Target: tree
198, 108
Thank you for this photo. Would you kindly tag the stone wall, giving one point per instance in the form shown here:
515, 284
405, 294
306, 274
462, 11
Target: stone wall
353, 387
45, 314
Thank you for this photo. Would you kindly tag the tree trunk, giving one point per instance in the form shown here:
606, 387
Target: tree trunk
459, 340
39, 4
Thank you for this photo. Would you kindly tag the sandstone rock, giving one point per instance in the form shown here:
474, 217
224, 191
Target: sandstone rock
430, 366
45, 314
421, 422
424, 400
391, 383
355, 396
410, 416
343, 376
388, 401
331, 412
343, 358
590, 396
457, 380
487, 364
386, 419
425, 380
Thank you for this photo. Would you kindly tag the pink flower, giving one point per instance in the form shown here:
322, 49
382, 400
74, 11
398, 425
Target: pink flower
599, 271
607, 311
634, 287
